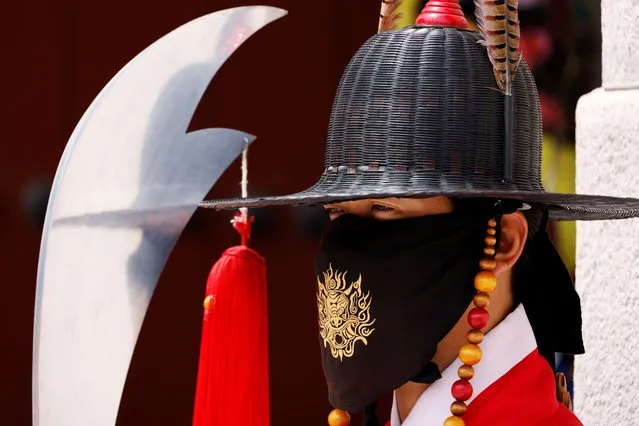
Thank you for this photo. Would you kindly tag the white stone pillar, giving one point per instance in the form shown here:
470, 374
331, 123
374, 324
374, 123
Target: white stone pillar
607, 377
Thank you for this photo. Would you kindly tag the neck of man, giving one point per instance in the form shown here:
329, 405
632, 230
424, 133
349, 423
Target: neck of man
501, 306
407, 395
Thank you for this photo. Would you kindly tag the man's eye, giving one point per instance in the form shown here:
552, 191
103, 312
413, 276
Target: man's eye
381, 208
334, 212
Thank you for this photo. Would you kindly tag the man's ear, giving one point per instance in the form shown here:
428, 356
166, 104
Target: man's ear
514, 233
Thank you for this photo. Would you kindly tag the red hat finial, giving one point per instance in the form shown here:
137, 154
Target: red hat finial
444, 13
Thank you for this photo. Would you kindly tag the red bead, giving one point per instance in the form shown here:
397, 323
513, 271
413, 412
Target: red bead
442, 13
478, 318
462, 390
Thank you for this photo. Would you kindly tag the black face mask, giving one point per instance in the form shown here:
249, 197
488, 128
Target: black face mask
388, 293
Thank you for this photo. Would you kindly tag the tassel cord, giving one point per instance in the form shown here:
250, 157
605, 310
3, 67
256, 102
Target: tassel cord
242, 222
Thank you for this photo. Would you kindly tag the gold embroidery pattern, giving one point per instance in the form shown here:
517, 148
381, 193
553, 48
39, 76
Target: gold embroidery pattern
344, 313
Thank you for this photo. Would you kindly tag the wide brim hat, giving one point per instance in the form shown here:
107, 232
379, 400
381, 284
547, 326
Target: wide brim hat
422, 112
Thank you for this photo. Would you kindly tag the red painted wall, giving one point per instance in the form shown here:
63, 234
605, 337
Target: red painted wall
57, 55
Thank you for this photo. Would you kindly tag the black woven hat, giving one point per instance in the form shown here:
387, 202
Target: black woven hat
419, 113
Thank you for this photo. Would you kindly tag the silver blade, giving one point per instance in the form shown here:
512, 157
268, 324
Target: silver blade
128, 182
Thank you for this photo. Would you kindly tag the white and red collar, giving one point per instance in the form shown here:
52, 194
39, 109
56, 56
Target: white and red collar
503, 348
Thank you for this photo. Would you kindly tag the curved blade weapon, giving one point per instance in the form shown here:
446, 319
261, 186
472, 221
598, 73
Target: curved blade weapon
129, 180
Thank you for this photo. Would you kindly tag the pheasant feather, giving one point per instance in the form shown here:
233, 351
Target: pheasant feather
389, 15
498, 21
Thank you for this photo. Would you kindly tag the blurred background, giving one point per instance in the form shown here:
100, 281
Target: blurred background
58, 55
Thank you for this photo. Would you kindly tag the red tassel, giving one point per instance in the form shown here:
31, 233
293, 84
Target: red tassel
233, 380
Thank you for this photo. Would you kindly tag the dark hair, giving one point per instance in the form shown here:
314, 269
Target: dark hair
523, 268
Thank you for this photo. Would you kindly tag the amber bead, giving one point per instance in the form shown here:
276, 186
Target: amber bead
466, 372
454, 421
488, 264
481, 300
491, 231
475, 336
458, 408
470, 354
492, 223
339, 417
489, 251
207, 302
485, 281
490, 241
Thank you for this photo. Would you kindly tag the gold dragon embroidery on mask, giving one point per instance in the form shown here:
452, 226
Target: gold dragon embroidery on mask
344, 313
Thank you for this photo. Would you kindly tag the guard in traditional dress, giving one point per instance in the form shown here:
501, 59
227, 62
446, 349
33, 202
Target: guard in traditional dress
436, 278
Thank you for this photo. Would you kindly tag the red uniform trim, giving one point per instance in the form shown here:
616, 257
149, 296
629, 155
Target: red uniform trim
525, 396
